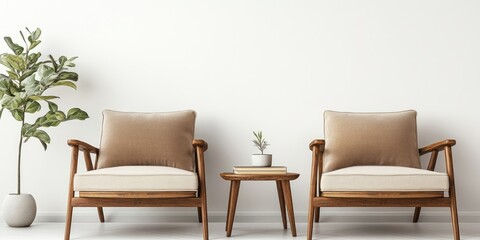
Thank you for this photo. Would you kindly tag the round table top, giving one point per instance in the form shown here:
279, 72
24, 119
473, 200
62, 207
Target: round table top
258, 177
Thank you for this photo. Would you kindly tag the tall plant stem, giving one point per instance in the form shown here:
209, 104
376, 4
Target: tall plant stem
20, 151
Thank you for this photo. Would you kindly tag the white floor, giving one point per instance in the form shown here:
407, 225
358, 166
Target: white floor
323, 230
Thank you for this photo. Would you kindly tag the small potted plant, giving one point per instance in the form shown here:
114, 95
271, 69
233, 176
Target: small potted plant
23, 91
261, 160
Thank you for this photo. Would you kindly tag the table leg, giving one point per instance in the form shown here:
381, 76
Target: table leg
281, 200
289, 204
233, 206
229, 205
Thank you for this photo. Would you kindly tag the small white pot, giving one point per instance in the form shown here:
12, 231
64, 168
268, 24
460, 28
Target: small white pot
262, 160
19, 210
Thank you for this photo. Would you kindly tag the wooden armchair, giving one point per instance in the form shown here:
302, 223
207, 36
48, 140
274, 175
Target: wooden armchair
144, 160
372, 160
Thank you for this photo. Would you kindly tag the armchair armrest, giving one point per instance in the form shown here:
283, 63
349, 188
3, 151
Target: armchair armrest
438, 146
200, 147
87, 149
82, 146
200, 143
318, 142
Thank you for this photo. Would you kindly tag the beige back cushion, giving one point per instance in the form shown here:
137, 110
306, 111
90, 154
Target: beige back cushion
159, 139
355, 139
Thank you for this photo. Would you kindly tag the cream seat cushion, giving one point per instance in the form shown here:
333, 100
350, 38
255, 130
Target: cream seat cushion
136, 178
383, 178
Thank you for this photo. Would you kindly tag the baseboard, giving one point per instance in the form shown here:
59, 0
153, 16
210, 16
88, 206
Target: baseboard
300, 217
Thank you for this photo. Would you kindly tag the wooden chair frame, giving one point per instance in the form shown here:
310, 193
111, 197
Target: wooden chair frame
196, 199
318, 199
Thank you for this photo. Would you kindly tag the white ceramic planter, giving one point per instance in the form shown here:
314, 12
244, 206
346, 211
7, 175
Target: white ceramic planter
19, 210
262, 160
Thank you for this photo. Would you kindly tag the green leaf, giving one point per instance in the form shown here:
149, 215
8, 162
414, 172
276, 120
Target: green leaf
69, 62
66, 83
13, 88
42, 97
5, 101
45, 71
55, 123
52, 106
33, 58
68, 76
43, 137
17, 114
4, 85
28, 130
1, 111
4, 62
23, 37
12, 75
48, 81
51, 119
41, 122
59, 115
36, 34
27, 74
32, 38
14, 61
34, 44
12, 103
44, 144
62, 60
33, 107
54, 63
32, 86
76, 113
17, 49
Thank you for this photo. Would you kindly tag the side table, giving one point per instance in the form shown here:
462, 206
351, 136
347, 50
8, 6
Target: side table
283, 190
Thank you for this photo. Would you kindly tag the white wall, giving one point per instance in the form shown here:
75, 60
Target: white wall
254, 65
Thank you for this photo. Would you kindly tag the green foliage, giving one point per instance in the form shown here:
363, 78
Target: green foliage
259, 141
23, 87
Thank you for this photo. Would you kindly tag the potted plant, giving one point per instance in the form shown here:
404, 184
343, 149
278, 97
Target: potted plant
23, 90
261, 160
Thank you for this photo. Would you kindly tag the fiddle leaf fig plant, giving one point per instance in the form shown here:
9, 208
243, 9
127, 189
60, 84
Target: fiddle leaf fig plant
24, 88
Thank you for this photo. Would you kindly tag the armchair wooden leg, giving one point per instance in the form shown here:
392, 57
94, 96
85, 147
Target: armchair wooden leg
317, 209
454, 213
416, 214
317, 214
199, 211
452, 194
311, 212
68, 221
204, 219
101, 216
